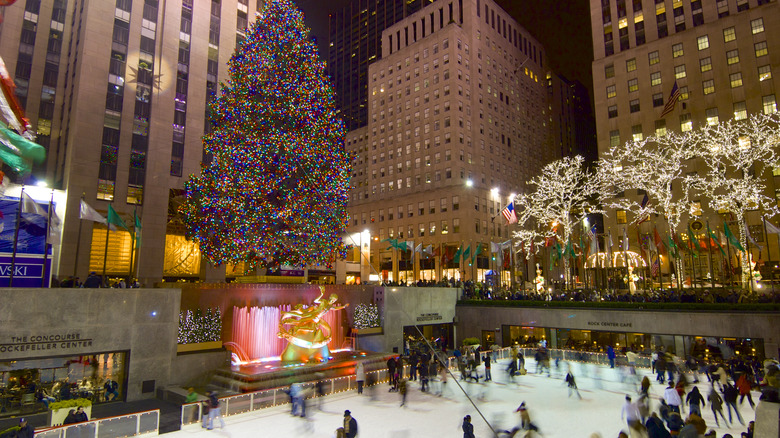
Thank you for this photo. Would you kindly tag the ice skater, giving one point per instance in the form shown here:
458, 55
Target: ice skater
572, 384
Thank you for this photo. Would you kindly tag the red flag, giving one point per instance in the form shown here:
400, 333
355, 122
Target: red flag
658, 242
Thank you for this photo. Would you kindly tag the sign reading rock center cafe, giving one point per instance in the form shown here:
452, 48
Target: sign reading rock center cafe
47, 341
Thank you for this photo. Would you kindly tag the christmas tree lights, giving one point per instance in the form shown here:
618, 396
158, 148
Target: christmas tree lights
366, 316
276, 190
195, 327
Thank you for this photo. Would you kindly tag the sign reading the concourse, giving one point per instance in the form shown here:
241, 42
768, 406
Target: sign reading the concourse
65, 342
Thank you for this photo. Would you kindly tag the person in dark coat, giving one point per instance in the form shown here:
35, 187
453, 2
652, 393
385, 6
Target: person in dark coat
730, 394
468, 428
660, 368
391, 372
611, 356
25, 431
655, 427
716, 404
81, 416
350, 425
694, 399
486, 360
71, 417
675, 423
93, 281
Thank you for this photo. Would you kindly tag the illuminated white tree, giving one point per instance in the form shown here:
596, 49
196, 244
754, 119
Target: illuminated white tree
738, 156
657, 165
565, 193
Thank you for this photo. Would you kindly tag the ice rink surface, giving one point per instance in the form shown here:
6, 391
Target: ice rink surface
427, 415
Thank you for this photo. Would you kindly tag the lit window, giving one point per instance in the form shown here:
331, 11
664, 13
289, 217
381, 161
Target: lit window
703, 42
620, 216
631, 64
653, 58
614, 138
660, 128
735, 79
740, 111
655, 78
708, 86
729, 34
757, 25
761, 49
712, 116
677, 50
705, 64
636, 132
609, 71
764, 72
770, 105
611, 91
105, 190
633, 85
684, 93
685, 123
679, 71
732, 56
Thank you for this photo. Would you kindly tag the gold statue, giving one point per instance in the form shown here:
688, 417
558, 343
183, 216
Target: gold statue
309, 334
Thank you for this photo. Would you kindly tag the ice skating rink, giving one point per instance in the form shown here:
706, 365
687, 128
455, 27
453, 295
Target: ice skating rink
430, 416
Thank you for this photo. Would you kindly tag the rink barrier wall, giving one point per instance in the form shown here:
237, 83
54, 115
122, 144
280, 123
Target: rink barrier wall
146, 423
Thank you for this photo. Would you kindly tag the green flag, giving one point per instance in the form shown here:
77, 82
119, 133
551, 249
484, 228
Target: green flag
715, 239
568, 252
467, 253
476, 252
393, 242
114, 221
18, 152
732, 240
696, 247
672, 247
137, 227
457, 255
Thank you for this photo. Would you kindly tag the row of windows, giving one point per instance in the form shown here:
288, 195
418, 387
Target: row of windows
423, 27
514, 37
768, 106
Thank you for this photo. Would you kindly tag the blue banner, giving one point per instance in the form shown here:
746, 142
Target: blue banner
28, 266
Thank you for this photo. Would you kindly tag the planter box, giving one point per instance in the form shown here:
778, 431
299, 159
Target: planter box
57, 416
200, 346
369, 331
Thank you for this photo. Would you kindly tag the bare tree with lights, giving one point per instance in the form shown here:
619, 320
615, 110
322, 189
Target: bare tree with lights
657, 165
738, 155
565, 193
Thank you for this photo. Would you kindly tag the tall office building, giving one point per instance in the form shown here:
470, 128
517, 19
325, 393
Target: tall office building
723, 55
117, 91
458, 121
354, 37
572, 125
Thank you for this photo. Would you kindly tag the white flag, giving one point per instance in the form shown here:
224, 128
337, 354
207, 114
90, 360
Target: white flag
89, 213
771, 228
494, 247
428, 250
54, 227
418, 248
30, 206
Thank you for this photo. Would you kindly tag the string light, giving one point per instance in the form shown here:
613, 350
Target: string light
277, 187
195, 327
366, 316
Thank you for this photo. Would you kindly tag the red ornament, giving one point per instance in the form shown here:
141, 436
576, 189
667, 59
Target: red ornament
7, 2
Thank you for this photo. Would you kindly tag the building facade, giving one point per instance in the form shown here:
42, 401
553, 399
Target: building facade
458, 121
723, 56
118, 92
572, 125
355, 42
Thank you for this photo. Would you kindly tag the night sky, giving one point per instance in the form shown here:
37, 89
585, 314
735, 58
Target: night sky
562, 26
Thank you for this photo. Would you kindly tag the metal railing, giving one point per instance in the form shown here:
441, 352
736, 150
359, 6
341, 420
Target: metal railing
135, 424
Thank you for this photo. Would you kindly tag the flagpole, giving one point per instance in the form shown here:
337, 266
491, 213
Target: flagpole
709, 245
749, 257
731, 271
46, 241
16, 237
78, 241
133, 250
769, 256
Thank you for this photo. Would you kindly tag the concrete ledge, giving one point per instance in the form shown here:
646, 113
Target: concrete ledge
767, 420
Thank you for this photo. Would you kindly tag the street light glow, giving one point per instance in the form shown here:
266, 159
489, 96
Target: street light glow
469, 183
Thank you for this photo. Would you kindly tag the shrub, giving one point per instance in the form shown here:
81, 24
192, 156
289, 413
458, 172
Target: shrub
74, 403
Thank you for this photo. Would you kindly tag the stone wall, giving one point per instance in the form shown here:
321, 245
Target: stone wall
39, 323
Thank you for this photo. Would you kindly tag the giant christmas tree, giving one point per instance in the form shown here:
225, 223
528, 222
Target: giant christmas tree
276, 189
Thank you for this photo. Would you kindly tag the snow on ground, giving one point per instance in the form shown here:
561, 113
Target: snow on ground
427, 415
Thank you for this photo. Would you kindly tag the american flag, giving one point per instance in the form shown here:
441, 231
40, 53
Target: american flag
655, 268
673, 98
509, 213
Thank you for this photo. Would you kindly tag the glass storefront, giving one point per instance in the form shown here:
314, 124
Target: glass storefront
28, 386
710, 348
439, 335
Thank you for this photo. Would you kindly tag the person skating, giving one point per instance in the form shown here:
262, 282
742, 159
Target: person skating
572, 384
391, 372
730, 394
486, 359
655, 427
468, 428
350, 425
525, 420
402, 389
694, 400
360, 375
214, 411
424, 378
630, 413
672, 398
716, 404
744, 386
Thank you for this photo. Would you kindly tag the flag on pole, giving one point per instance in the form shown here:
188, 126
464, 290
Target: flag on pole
715, 239
477, 251
568, 252
428, 250
655, 267
32, 212
418, 248
732, 240
86, 212
672, 102
467, 253
114, 221
54, 226
458, 254
645, 201
625, 239
694, 242
137, 228
771, 228
752, 240
659, 244
509, 213
494, 247
594, 242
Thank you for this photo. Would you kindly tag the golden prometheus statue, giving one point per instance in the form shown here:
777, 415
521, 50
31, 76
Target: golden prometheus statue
309, 334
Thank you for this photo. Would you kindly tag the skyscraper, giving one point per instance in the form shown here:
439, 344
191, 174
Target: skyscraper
458, 121
117, 91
